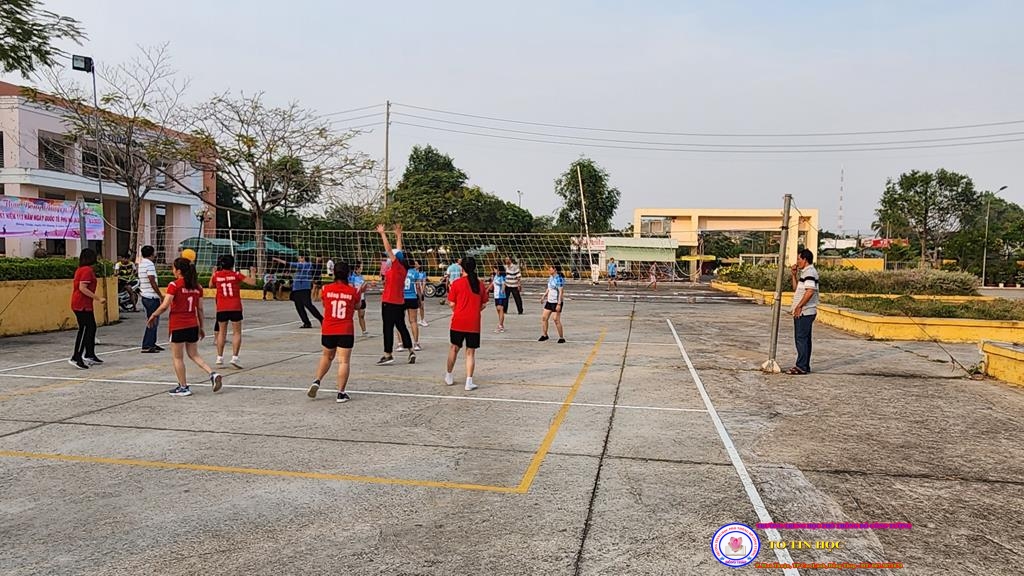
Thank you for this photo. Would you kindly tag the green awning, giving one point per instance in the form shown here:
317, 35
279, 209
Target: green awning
270, 245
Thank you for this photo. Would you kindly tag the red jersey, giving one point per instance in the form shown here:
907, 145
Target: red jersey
394, 283
185, 306
466, 314
228, 285
80, 301
340, 304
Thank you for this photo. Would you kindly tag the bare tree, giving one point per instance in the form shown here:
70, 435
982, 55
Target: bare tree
127, 142
273, 156
359, 203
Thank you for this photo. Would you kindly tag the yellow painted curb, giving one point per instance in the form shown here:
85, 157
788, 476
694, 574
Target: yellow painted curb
1004, 362
32, 306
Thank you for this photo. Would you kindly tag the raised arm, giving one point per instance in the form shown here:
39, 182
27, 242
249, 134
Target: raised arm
398, 236
387, 243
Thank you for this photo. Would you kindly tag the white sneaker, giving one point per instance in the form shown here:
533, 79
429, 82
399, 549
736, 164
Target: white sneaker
366, 334
417, 347
220, 361
399, 349
470, 386
449, 379
423, 323
235, 362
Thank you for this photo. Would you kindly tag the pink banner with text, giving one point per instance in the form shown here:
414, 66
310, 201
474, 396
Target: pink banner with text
43, 218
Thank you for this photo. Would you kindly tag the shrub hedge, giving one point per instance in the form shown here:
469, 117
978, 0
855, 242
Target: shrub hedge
999, 309
845, 281
46, 268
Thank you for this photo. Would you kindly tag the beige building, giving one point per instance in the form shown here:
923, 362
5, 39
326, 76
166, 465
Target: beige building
38, 161
685, 225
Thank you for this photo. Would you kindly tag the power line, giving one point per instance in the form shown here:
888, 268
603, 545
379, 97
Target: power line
343, 112
711, 145
364, 116
707, 150
716, 134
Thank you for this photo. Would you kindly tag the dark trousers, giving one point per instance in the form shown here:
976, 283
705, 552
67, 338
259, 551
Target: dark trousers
802, 330
85, 341
393, 316
514, 294
149, 338
303, 302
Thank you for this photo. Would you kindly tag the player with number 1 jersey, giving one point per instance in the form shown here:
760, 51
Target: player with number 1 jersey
341, 303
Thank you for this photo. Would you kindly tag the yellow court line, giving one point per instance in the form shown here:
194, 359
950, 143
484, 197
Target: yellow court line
549, 438
37, 389
255, 471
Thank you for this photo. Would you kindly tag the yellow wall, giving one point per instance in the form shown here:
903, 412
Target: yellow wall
31, 306
897, 327
1004, 361
863, 264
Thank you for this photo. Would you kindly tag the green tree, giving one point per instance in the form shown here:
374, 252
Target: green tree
720, 245
1005, 235
931, 205
433, 195
27, 33
602, 200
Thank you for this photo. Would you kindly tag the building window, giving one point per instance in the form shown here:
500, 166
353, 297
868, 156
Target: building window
52, 154
90, 163
159, 174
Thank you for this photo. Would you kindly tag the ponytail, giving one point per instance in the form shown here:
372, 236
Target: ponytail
469, 267
341, 272
188, 273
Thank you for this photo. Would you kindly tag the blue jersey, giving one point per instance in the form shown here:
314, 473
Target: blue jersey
499, 287
613, 268
356, 281
409, 289
555, 285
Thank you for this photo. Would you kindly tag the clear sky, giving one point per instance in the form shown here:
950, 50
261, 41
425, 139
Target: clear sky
709, 67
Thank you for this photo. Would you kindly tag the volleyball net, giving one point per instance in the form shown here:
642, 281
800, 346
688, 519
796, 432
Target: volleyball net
636, 257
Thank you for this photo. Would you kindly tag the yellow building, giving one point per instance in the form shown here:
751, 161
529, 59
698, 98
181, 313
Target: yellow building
685, 225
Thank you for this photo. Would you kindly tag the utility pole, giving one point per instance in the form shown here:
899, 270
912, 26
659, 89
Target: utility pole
387, 147
583, 207
520, 198
771, 365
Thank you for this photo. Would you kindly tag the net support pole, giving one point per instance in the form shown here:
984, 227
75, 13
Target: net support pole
771, 365
231, 236
81, 225
583, 208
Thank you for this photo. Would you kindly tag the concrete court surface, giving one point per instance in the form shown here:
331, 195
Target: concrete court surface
598, 456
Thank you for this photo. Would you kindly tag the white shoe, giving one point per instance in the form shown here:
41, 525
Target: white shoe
220, 361
417, 347
399, 349
423, 323
235, 362
449, 379
471, 386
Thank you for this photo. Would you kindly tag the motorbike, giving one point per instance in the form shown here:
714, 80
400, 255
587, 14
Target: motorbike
124, 296
438, 290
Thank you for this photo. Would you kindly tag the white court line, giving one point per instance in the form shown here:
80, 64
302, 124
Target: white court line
130, 349
498, 338
737, 462
367, 392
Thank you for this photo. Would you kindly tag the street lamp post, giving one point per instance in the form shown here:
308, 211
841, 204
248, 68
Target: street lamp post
984, 253
520, 198
86, 64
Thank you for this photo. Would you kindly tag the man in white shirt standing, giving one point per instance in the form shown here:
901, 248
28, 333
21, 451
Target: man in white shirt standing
151, 297
805, 308
513, 278
330, 268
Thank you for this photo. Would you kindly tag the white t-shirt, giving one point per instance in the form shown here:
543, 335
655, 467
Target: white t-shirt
147, 269
330, 267
807, 279
555, 285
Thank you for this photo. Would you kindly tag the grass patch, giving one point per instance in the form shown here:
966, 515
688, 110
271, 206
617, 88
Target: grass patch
919, 281
1000, 309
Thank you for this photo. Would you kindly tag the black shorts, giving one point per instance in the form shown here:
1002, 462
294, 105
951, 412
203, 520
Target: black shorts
412, 303
503, 302
553, 306
185, 335
332, 341
470, 339
229, 316
362, 305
